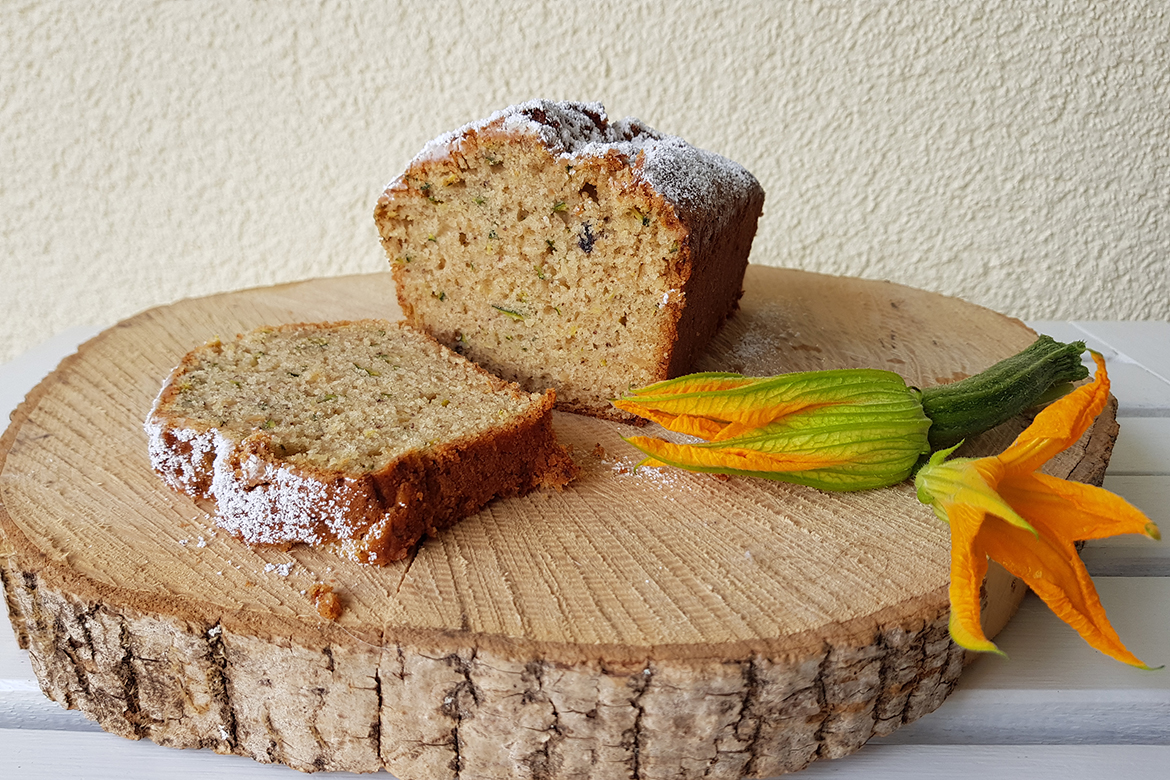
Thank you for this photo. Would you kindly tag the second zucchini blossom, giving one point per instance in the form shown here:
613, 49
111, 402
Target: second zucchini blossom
847, 429
1001, 507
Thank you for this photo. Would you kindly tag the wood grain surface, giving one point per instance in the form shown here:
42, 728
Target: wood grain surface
638, 624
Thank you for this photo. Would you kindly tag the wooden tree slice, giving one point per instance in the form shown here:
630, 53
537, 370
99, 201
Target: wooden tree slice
638, 624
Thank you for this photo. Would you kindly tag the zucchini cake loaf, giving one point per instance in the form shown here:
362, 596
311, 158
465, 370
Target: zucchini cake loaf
562, 250
361, 436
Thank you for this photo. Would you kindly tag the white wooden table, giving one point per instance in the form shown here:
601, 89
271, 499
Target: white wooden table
1053, 710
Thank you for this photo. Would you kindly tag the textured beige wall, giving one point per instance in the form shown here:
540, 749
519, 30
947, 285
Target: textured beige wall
158, 150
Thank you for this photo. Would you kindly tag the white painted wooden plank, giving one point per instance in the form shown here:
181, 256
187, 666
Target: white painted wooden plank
1139, 393
1121, 557
22, 373
1061, 330
1146, 343
28, 708
39, 755
1143, 447
36, 755
1151, 494
878, 761
15, 671
1054, 688
997, 762
1058, 717
1143, 342
1044, 653
1142, 390
1133, 555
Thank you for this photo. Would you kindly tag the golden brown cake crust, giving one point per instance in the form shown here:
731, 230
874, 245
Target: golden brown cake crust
270, 493
659, 289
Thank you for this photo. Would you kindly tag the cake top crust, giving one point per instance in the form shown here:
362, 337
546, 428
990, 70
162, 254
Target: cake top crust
688, 177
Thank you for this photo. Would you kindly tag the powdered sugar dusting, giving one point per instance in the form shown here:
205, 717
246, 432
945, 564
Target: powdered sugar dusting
667, 295
754, 351
178, 460
562, 127
628, 468
664, 476
259, 502
690, 178
265, 503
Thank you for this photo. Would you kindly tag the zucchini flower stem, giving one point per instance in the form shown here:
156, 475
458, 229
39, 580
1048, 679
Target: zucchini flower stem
994, 396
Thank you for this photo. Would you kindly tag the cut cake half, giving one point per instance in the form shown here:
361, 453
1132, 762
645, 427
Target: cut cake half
559, 249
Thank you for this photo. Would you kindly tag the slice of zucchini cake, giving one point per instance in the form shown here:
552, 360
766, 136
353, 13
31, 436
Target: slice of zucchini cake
359, 436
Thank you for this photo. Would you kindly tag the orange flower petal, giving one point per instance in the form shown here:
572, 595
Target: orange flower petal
1055, 572
1060, 425
665, 402
1058, 512
968, 568
679, 423
1073, 511
696, 383
652, 463
755, 403
732, 430
727, 460
720, 408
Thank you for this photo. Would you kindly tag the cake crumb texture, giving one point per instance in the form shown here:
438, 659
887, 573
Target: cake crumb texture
361, 436
325, 601
561, 250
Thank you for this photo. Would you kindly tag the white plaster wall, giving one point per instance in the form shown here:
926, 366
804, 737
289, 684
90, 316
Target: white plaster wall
1014, 154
